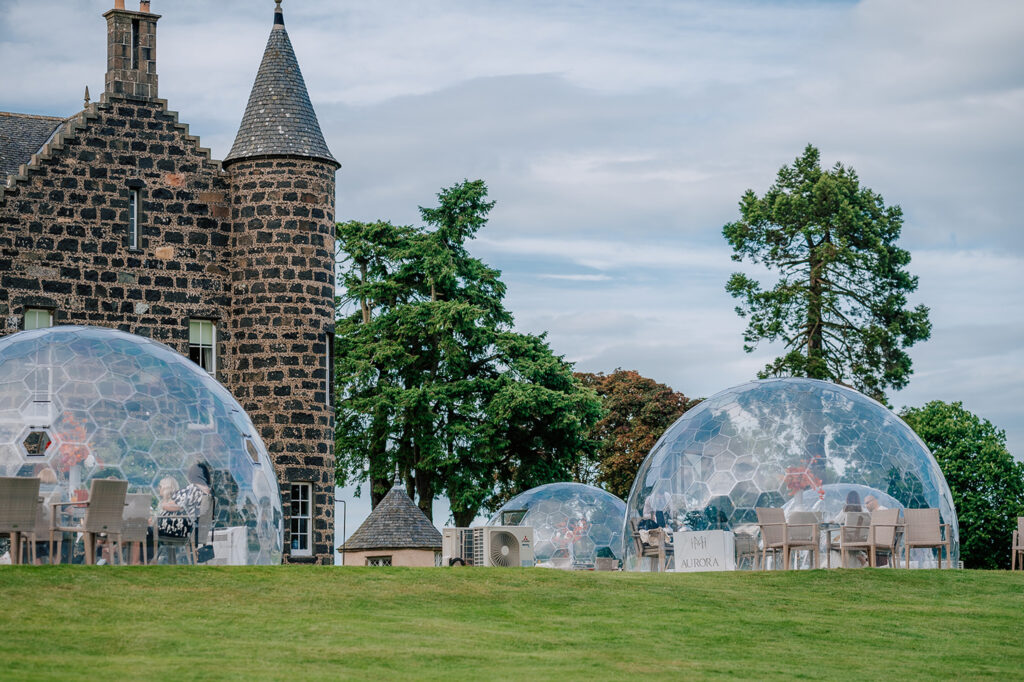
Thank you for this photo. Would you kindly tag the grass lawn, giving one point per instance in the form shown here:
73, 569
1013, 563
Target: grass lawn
322, 622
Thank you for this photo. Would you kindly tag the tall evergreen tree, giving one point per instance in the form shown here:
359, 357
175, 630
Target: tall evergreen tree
839, 303
433, 382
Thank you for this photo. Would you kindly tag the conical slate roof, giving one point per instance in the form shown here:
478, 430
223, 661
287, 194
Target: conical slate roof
395, 523
279, 119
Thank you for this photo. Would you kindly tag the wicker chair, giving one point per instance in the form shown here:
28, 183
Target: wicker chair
19, 498
779, 536
42, 528
104, 514
885, 535
923, 529
137, 514
854, 535
803, 533
746, 550
1017, 553
657, 548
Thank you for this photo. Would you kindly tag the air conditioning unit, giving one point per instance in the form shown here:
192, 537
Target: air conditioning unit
488, 546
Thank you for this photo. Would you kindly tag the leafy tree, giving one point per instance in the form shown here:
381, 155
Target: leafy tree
637, 412
433, 382
839, 305
986, 482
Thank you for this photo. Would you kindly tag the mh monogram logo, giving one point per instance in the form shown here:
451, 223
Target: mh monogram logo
699, 543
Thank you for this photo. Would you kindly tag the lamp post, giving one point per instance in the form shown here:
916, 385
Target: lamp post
344, 514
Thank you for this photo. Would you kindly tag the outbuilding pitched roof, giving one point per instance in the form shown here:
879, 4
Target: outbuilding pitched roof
395, 523
279, 119
21, 136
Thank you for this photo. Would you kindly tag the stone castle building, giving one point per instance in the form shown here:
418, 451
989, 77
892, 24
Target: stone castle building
117, 217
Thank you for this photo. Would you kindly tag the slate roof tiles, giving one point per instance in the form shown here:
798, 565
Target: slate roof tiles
395, 523
21, 136
279, 119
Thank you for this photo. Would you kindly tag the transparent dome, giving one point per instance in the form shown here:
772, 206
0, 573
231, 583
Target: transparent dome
78, 403
573, 524
799, 444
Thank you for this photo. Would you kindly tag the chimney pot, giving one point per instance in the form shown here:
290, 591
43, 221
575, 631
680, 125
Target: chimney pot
143, 5
118, 4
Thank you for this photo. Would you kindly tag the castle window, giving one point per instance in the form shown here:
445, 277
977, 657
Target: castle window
202, 344
301, 519
378, 561
133, 219
38, 318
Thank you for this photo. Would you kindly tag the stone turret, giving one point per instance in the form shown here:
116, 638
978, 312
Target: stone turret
282, 315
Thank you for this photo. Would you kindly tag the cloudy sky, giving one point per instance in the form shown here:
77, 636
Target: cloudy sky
617, 138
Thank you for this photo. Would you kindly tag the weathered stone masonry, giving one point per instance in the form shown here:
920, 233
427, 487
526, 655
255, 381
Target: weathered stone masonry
282, 315
64, 236
247, 243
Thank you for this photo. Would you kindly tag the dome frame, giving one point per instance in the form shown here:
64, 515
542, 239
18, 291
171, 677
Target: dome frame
117, 405
766, 443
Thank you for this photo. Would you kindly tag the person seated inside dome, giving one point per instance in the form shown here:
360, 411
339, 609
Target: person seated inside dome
872, 504
179, 514
852, 505
658, 509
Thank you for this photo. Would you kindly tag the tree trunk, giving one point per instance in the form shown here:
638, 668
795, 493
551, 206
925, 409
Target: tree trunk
464, 518
425, 492
816, 366
377, 456
379, 487
364, 305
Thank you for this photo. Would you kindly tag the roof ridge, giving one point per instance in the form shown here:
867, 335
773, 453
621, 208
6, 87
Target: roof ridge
43, 117
396, 522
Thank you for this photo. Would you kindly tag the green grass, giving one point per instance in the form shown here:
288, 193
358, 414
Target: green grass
296, 622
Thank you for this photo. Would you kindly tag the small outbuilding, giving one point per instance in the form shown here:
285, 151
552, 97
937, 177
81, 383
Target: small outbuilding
396, 533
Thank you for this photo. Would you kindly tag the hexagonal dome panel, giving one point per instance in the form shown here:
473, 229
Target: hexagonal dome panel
135, 409
36, 442
799, 444
573, 524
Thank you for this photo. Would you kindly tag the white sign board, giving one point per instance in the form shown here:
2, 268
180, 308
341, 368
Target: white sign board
704, 550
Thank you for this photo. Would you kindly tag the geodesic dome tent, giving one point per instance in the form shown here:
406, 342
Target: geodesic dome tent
573, 524
89, 402
799, 444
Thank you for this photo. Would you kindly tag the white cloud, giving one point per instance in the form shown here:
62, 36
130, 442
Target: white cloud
576, 278
614, 255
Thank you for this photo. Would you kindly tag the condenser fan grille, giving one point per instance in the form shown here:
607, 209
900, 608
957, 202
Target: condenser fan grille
504, 549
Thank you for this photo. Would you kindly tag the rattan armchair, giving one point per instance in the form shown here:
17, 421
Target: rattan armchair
779, 536
923, 529
885, 535
104, 514
854, 535
138, 513
656, 547
803, 533
42, 527
19, 498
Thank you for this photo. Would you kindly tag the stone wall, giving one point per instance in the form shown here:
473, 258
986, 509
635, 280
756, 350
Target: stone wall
282, 322
399, 557
64, 227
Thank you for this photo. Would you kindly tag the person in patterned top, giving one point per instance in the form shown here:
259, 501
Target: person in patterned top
179, 514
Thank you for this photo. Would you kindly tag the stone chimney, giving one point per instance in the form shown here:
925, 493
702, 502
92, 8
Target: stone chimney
131, 52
